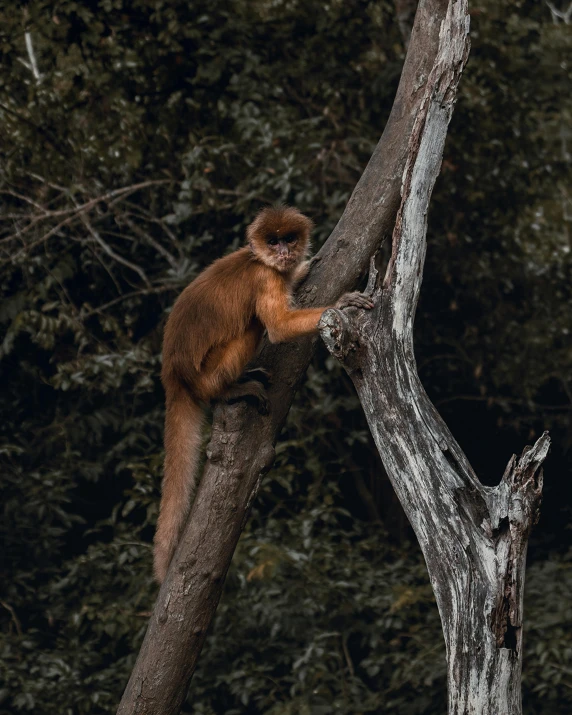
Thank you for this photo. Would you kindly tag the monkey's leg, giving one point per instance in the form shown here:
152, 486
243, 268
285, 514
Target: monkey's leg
226, 364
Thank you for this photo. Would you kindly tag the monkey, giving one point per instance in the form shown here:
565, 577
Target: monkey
213, 332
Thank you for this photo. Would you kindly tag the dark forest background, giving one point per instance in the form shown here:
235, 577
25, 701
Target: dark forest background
138, 138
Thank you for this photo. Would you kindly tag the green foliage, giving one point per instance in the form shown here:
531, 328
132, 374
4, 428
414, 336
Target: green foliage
153, 133
548, 647
341, 621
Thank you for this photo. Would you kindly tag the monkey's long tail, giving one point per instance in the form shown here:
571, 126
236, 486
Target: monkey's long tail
183, 427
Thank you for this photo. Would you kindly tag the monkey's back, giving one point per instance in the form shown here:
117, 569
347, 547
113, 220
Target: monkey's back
215, 308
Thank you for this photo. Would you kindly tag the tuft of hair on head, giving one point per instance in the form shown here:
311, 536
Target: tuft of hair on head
279, 221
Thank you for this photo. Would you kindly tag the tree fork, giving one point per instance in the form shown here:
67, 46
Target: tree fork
241, 449
474, 538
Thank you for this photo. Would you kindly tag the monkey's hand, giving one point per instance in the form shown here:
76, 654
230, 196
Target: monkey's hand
301, 271
354, 300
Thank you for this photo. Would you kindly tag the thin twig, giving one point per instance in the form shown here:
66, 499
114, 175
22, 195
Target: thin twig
564, 15
117, 194
16, 195
110, 252
63, 150
76, 210
347, 655
152, 242
32, 56
105, 306
12, 612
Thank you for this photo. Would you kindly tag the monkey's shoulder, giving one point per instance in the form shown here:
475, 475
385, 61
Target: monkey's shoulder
237, 264
244, 269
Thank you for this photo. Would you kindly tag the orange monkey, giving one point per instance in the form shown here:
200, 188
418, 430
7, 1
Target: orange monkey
212, 333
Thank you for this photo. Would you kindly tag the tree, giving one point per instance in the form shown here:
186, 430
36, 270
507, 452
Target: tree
474, 538
484, 682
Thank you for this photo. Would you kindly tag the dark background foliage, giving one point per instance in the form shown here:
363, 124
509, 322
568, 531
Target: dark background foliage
138, 151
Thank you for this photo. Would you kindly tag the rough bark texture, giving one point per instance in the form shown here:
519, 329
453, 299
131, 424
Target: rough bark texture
474, 538
241, 450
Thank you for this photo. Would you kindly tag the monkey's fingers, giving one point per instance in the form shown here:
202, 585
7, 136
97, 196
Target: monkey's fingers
361, 301
355, 300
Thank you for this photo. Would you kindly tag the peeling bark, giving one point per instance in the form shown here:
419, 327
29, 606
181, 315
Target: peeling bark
474, 538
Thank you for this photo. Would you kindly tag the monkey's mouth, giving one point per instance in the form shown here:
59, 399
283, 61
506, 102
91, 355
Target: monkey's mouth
285, 263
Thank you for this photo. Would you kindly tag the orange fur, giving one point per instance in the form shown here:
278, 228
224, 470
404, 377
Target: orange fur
212, 333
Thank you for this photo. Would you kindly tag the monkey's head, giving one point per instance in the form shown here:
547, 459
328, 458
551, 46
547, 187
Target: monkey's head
280, 237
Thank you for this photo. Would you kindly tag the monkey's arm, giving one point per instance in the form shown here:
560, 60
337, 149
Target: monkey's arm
280, 320
301, 271
284, 323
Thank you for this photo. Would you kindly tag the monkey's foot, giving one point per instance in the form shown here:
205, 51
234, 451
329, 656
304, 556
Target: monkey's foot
355, 300
249, 390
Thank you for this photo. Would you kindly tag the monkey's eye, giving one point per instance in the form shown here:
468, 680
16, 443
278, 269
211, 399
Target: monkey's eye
273, 241
289, 238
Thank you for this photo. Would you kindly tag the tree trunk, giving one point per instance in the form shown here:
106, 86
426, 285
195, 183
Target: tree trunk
474, 538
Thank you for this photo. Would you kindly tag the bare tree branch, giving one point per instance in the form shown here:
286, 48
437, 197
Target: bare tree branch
14, 617
68, 215
88, 205
171, 260
33, 64
557, 14
110, 252
474, 538
88, 312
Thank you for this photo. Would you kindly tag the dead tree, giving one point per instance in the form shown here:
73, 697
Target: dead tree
474, 538
241, 449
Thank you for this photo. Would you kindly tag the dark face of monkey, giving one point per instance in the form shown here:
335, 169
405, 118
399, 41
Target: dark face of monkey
279, 237
284, 249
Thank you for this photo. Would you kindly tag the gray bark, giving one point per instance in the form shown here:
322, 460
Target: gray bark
474, 538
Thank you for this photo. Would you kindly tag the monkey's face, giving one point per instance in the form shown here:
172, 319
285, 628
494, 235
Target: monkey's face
279, 237
285, 249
